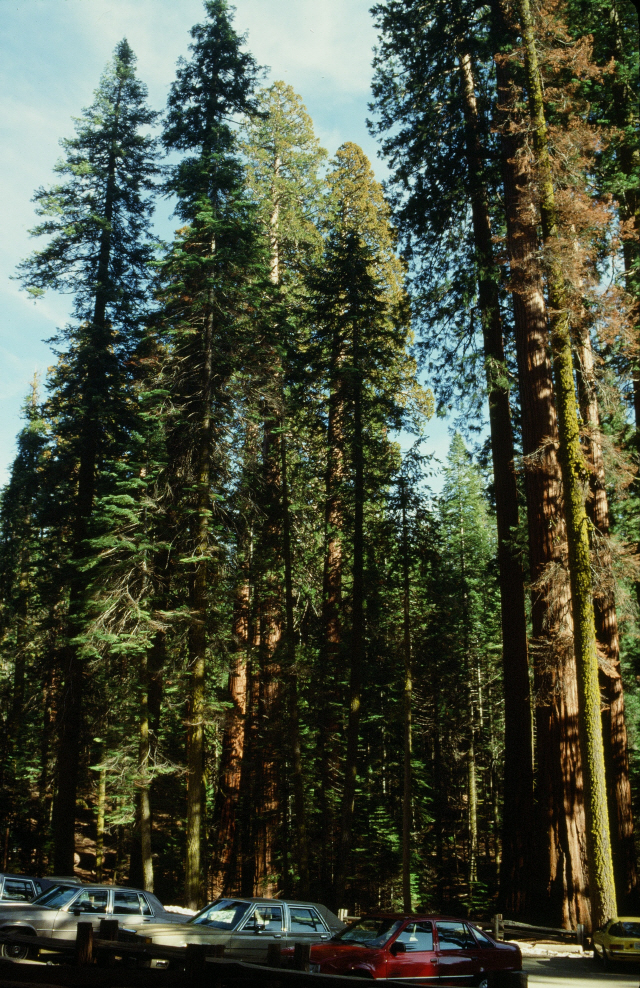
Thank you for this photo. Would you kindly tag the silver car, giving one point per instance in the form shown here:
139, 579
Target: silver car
246, 927
57, 911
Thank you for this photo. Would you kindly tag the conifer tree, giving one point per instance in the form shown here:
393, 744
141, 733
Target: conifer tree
97, 222
208, 273
424, 71
282, 160
360, 332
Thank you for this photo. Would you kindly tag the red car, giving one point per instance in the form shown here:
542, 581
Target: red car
425, 949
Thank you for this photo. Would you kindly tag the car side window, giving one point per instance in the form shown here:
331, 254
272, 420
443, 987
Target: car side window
454, 936
91, 901
267, 918
417, 936
126, 904
305, 920
481, 938
144, 906
17, 891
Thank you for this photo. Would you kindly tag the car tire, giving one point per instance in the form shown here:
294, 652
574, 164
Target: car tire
17, 952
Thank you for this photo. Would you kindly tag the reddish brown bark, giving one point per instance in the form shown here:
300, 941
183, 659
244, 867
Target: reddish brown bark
223, 872
268, 690
559, 884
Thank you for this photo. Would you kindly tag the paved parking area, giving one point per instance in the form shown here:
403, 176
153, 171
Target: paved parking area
562, 972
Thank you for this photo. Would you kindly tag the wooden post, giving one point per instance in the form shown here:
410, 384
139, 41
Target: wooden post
196, 960
580, 934
301, 955
108, 930
216, 950
274, 958
84, 944
496, 922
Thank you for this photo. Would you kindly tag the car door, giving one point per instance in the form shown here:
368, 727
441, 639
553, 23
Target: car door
418, 961
305, 925
130, 908
90, 905
486, 952
264, 925
457, 952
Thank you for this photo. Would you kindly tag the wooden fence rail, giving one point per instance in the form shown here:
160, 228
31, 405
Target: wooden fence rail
115, 959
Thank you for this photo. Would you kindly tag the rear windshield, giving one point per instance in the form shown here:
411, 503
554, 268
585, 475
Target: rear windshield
56, 897
222, 915
369, 932
625, 930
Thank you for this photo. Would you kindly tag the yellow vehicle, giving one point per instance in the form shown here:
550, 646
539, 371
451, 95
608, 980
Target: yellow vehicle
619, 940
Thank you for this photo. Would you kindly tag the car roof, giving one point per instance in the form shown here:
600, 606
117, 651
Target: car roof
626, 919
417, 916
10, 874
88, 886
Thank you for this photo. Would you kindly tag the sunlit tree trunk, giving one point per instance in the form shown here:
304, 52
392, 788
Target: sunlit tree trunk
601, 880
613, 713
558, 881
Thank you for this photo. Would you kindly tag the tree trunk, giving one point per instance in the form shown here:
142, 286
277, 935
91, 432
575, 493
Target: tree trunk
357, 635
144, 804
518, 769
198, 627
269, 694
100, 816
559, 893
601, 880
331, 641
70, 706
406, 709
228, 794
613, 717
302, 859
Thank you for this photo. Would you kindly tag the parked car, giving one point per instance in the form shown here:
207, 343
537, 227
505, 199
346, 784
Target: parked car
57, 910
19, 888
618, 940
246, 927
415, 947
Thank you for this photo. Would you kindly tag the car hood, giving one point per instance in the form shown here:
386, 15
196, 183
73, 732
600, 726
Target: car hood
14, 906
324, 953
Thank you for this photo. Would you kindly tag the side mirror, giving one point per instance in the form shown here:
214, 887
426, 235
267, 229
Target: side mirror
397, 948
77, 911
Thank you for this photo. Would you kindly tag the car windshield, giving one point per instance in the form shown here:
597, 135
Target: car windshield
56, 897
625, 930
222, 915
370, 931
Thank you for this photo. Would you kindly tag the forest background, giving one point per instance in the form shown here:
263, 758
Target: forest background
228, 587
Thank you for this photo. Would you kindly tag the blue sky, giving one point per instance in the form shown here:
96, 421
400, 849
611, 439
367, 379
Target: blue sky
52, 53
